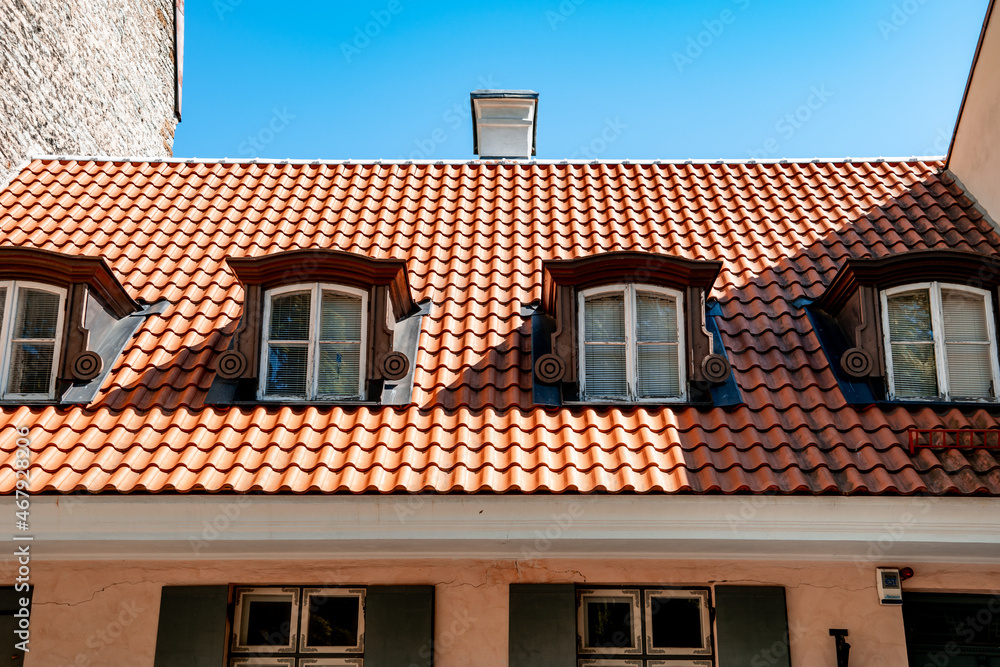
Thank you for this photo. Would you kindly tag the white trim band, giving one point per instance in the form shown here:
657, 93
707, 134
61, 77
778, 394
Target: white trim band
528, 527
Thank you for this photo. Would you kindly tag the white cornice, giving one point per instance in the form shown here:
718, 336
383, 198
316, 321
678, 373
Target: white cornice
869, 529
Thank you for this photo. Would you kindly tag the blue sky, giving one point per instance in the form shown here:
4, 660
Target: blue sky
710, 79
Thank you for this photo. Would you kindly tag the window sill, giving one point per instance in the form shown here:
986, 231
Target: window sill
643, 403
279, 402
937, 403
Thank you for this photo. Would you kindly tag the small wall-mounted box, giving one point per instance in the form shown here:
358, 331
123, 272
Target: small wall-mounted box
890, 585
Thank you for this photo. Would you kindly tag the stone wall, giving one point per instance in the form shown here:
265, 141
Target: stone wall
85, 77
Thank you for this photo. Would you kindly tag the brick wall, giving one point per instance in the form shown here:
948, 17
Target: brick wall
85, 77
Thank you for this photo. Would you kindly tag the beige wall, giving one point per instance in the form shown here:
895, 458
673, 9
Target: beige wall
97, 613
975, 156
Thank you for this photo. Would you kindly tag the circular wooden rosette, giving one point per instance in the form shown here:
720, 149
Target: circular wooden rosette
550, 369
394, 366
87, 366
716, 368
231, 365
857, 362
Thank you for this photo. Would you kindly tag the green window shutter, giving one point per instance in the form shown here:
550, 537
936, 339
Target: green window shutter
542, 625
192, 626
752, 626
399, 626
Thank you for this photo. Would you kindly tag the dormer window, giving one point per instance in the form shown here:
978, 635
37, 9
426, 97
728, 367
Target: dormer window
940, 342
320, 326
64, 319
628, 327
32, 316
632, 342
915, 326
315, 342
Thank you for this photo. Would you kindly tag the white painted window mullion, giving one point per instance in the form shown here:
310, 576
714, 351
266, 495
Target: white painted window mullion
940, 351
312, 354
5, 335
991, 334
631, 346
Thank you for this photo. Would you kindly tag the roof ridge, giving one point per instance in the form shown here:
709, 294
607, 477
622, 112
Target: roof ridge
379, 161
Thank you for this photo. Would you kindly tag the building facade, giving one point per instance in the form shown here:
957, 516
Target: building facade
502, 412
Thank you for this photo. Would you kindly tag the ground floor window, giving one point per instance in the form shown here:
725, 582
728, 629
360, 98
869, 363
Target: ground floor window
950, 629
642, 626
297, 626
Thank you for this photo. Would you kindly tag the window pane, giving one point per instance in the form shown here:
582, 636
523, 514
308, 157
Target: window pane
964, 317
290, 317
604, 318
30, 368
339, 365
910, 317
268, 623
658, 372
609, 624
970, 370
913, 370
333, 621
37, 314
676, 623
3, 301
286, 370
656, 318
605, 370
340, 318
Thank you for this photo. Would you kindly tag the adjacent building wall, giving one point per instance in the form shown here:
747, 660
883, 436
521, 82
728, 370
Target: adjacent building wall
975, 153
86, 77
94, 613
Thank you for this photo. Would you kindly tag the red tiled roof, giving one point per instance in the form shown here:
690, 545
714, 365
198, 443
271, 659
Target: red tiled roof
474, 237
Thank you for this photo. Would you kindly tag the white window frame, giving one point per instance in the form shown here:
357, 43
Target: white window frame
630, 290
246, 595
632, 595
14, 288
706, 627
307, 593
937, 327
312, 366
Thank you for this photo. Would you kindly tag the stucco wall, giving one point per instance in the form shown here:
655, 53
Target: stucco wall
91, 77
975, 157
91, 613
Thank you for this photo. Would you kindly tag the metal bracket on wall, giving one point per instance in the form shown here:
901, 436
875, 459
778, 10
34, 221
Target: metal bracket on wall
843, 648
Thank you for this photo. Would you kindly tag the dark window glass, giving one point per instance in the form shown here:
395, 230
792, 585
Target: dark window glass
333, 621
269, 623
609, 624
31, 368
290, 317
676, 623
287, 370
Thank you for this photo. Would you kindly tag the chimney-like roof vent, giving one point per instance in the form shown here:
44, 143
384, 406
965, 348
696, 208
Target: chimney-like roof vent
503, 123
